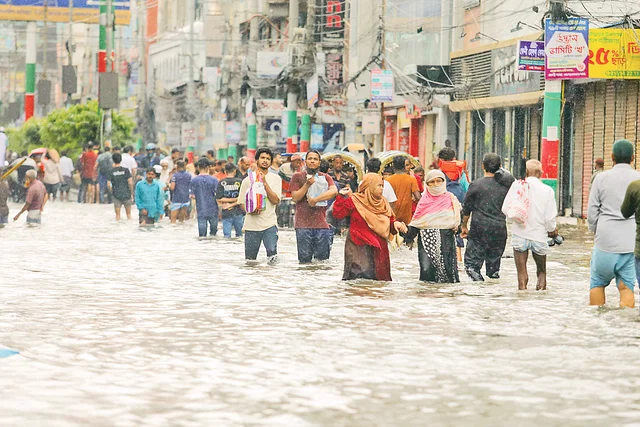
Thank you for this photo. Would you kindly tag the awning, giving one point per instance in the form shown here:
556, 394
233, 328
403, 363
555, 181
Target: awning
518, 100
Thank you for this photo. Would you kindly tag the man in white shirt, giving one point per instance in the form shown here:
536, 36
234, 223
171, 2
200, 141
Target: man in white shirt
540, 225
128, 161
374, 165
612, 257
261, 225
66, 169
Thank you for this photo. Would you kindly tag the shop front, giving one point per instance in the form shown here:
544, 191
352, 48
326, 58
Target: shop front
500, 115
412, 131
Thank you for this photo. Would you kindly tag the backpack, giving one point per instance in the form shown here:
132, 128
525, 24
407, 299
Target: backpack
256, 197
456, 176
518, 207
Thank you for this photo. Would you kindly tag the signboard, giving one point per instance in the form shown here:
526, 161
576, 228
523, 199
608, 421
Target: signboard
271, 64
614, 53
317, 137
507, 78
189, 135
233, 132
84, 11
332, 23
530, 55
567, 49
270, 107
173, 133
371, 124
381, 85
334, 68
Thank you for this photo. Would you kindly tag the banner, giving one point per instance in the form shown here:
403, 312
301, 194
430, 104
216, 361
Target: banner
271, 64
614, 53
381, 85
232, 132
84, 11
317, 137
312, 91
567, 49
530, 55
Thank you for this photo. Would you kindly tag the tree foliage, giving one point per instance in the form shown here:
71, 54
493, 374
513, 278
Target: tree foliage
69, 129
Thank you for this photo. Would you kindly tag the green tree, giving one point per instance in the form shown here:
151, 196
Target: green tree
69, 129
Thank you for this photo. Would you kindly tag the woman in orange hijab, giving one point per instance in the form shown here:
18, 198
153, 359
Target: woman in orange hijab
366, 251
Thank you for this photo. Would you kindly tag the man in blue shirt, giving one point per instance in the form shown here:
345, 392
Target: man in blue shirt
149, 199
203, 189
180, 201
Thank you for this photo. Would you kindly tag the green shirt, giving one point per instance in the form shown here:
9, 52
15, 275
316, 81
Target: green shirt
631, 206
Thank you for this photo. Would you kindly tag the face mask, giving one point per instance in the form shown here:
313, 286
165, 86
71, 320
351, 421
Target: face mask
438, 189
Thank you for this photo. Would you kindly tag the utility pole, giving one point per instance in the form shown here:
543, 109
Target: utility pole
191, 111
292, 96
109, 66
305, 128
44, 54
252, 126
30, 81
70, 48
142, 50
552, 120
379, 145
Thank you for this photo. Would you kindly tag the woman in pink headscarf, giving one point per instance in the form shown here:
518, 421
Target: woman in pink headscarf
435, 223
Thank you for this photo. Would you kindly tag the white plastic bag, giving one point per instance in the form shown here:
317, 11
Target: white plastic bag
518, 208
318, 188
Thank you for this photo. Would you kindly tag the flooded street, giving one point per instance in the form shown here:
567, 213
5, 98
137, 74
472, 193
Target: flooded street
117, 326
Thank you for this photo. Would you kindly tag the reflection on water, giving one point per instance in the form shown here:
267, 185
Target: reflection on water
121, 327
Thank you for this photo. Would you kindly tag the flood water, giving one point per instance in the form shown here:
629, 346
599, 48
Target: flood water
117, 326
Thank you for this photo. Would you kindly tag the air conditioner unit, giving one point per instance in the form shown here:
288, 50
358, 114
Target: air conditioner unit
299, 35
296, 55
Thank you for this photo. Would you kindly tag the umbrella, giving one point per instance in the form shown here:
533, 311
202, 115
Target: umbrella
53, 153
41, 151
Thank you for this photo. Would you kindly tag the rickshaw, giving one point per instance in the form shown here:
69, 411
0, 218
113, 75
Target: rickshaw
349, 158
386, 158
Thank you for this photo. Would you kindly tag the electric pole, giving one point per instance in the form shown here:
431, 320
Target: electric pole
252, 125
305, 128
191, 111
30, 81
70, 47
44, 54
142, 77
379, 146
109, 63
292, 96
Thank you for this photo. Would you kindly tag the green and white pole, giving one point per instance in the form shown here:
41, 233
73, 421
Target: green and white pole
305, 133
30, 80
252, 136
551, 121
102, 46
292, 122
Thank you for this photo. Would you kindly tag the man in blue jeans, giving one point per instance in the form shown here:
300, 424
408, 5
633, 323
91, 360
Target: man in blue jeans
227, 195
203, 189
311, 190
261, 224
